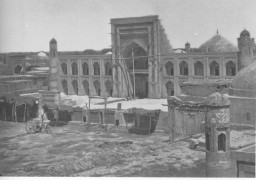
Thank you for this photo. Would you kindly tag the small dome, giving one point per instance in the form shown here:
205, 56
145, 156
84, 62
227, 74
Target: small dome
246, 78
217, 99
187, 44
53, 41
244, 33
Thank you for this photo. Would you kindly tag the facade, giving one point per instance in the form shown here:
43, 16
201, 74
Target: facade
144, 64
12, 64
86, 75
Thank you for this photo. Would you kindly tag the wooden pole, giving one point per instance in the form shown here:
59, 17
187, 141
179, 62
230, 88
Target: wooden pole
5, 110
24, 118
172, 114
183, 122
149, 124
104, 114
89, 112
12, 112
133, 74
15, 113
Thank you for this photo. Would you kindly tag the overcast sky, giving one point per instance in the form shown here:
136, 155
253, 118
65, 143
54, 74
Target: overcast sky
28, 25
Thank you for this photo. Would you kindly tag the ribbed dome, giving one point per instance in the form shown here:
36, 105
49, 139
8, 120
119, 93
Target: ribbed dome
217, 44
246, 78
53, 41
244, 33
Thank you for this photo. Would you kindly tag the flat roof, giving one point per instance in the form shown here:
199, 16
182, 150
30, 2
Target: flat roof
246, 154
77, 56
17, 81
208, 82
133, 20
15, 75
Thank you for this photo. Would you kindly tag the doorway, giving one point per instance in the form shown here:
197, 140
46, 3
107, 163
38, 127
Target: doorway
141, 86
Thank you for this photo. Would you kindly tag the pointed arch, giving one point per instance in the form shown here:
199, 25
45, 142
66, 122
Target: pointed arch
75, 86
64, 84
230, 69
138, 42
222, 142
96, 68
214, 69
96, 84
85, 68
86, 87
17, 69
108, 69
199, 68
139, 54
109, 87
169, 88
74, 69
184, 68
169, 68
64, 68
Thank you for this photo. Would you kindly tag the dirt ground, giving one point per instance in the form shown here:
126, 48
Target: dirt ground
71, 151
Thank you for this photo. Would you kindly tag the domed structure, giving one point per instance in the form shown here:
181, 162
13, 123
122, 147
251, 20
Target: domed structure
187, 44
217, 99
244, 33
53, 41
217, 44
246, 78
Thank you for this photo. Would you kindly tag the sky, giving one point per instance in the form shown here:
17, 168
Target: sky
29, 25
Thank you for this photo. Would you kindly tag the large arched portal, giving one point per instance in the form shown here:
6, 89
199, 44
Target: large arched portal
136, 58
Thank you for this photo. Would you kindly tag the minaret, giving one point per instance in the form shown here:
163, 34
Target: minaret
217, 136
187, 47
52, 95
53, 66
245, 46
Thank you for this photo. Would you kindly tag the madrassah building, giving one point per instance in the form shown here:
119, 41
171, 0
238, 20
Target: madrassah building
143, 63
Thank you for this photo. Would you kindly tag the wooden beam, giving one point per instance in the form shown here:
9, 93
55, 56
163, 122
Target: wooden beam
12, 112
89, 112
149, 125
104, 113
15, 113
24, 118
5, 111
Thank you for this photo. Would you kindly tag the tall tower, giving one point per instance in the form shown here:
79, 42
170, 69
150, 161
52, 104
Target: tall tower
53, 47
187, 47
53, 66
217, 136
245, 46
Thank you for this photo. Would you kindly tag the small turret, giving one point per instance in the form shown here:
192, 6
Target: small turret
187, 47
53, 47
245, 45
217, 136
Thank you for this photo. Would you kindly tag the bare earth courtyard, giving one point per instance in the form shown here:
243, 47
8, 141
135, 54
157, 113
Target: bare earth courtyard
70, 151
